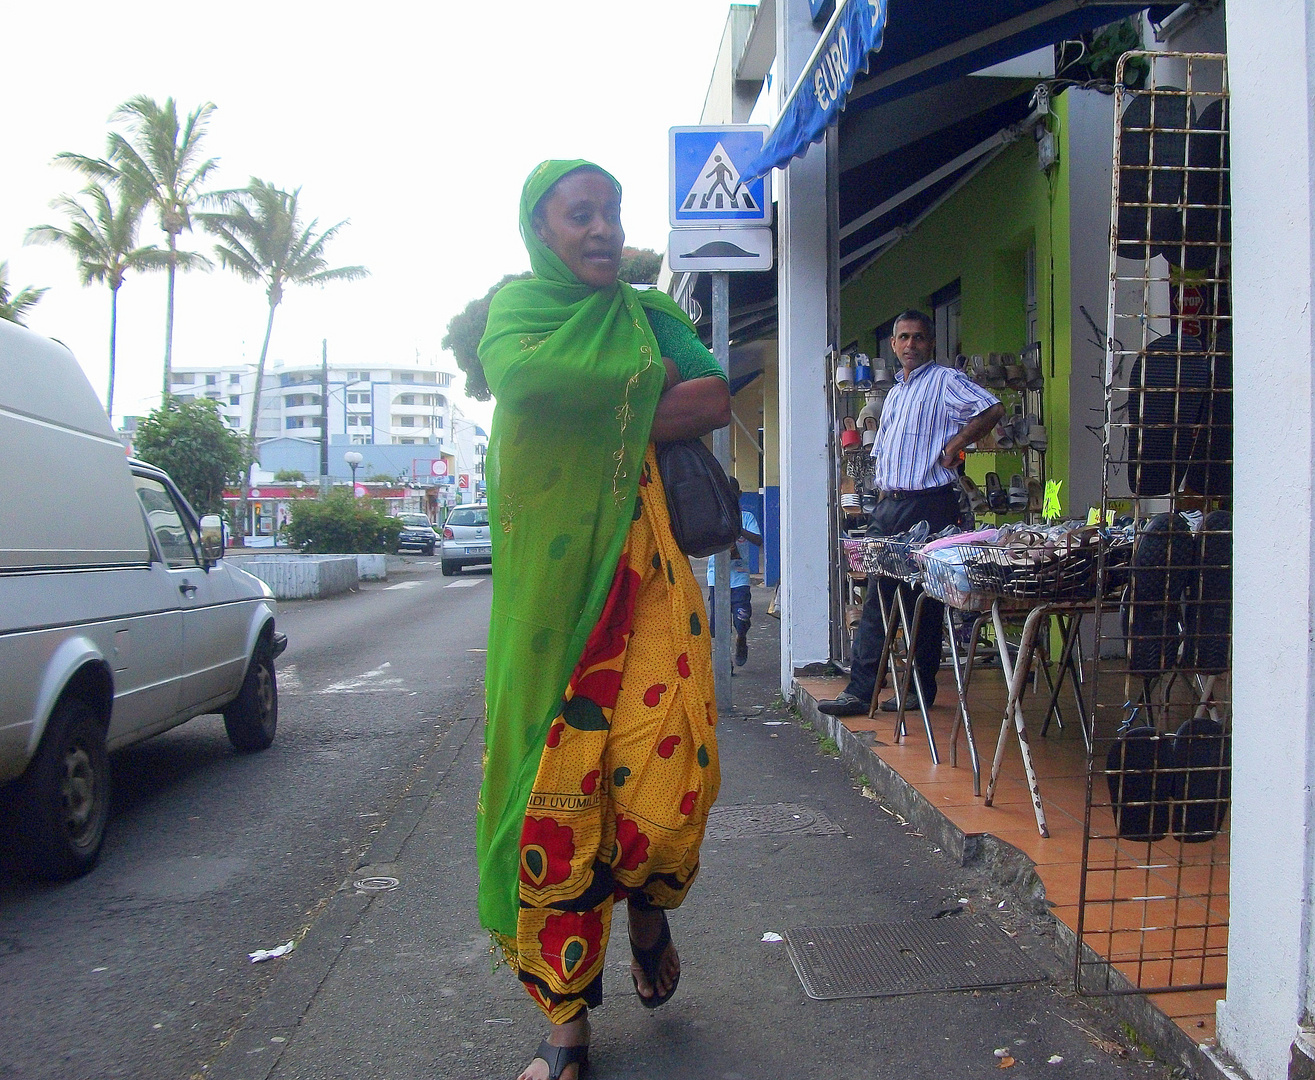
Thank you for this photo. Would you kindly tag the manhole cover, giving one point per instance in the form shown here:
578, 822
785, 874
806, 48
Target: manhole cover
375, 884
884, 960
776, 819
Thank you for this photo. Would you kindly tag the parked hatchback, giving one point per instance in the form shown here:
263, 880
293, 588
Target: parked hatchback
466, 539
118, 616
417, 534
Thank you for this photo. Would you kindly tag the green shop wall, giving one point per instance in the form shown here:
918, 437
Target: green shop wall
980, 237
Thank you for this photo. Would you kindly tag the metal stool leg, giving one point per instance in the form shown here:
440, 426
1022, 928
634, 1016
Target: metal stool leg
887, 650
910, 648
961, 717
1015, 676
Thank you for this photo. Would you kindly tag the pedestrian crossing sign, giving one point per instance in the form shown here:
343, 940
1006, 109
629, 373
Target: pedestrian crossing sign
707, 165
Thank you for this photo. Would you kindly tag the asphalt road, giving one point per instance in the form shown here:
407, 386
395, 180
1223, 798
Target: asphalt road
140, 969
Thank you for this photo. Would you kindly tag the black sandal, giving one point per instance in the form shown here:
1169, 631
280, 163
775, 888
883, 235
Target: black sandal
648, 960
558, 1057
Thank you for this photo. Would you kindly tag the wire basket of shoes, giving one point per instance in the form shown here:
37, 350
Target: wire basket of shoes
855, 549
1055, 564
945, 578
893, 556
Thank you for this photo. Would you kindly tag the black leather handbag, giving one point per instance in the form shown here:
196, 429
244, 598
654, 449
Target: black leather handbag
704, 512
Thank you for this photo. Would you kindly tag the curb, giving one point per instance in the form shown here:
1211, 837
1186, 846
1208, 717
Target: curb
1015, 872
255, 1048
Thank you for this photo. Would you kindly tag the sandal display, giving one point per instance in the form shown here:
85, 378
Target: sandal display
850, 439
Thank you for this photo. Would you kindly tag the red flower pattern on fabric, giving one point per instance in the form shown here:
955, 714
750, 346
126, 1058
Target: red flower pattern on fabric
570, 942
632, 842
608, 638
546, 852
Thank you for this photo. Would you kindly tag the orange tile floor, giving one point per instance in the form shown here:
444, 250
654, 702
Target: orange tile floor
1174, 900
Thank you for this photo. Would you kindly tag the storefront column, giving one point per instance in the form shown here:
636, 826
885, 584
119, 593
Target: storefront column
1273, 827
802, 278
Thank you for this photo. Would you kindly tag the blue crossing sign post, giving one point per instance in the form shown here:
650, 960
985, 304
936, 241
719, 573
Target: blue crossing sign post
707, 164
717, 222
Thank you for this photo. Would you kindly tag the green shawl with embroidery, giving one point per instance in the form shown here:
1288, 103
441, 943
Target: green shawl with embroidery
577, 375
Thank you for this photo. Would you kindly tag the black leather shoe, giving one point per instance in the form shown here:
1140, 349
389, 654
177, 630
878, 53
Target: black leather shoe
843, 705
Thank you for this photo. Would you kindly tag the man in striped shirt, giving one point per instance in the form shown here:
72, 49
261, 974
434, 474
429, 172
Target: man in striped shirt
930, 416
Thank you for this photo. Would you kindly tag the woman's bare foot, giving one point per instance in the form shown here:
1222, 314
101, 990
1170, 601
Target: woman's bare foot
572, 1033
645, 929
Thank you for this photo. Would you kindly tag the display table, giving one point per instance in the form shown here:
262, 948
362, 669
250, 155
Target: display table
990, 585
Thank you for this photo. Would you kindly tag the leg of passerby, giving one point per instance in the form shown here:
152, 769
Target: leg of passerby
869, 640
741, 616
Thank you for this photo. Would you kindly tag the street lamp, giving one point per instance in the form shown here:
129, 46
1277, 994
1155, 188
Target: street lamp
354, 460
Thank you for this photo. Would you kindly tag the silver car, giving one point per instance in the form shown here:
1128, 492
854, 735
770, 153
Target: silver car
119, 617
466, 539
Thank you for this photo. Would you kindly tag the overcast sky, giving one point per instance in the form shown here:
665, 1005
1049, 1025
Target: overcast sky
417, 121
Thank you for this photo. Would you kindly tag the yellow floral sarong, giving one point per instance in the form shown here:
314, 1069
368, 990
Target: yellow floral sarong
629, 772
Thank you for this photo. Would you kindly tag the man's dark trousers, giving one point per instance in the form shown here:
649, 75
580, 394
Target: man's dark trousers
939, 508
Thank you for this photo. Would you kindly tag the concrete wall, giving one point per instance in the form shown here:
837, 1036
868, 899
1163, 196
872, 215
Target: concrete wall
805, 461
1089, 148
302, 577
980, 236
1269, 979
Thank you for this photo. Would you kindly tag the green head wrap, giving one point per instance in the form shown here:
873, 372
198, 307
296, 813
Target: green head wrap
577, 376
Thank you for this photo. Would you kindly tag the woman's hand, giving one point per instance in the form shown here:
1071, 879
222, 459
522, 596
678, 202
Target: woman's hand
689, 410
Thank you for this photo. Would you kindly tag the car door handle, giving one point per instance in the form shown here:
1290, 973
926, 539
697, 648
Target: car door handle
187, 588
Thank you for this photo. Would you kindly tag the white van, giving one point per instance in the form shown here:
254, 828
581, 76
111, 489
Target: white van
118, 617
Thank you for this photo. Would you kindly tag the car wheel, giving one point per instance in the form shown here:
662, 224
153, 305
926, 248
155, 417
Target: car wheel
429, 550
450, 567
64, 796
252, 717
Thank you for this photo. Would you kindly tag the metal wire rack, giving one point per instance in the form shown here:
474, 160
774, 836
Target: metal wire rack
1153, 907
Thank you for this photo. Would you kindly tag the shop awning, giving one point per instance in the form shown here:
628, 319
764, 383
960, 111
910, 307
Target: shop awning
910, 45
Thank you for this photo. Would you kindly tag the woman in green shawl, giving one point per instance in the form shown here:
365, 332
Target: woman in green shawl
600, 748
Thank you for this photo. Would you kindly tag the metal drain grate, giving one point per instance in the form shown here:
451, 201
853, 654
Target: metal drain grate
776, 819
884, 960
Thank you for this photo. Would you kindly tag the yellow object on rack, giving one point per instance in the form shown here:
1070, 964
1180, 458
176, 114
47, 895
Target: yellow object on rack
1050, 506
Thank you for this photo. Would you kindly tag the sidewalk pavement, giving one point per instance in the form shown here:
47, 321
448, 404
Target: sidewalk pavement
399, 984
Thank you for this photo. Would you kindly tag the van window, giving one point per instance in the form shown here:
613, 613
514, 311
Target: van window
469, 515
173, 529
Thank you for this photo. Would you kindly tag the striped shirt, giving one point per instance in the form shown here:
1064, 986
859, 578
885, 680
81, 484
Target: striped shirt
922, 413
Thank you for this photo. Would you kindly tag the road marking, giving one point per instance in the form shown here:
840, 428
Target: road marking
465, 583
288, 680
402, 585
370, 681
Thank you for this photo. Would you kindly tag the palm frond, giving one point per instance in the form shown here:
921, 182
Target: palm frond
13, 306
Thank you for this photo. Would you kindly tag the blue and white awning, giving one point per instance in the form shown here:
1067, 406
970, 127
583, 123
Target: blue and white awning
923, 43
853, 34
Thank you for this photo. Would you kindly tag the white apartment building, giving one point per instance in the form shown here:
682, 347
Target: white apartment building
403, 405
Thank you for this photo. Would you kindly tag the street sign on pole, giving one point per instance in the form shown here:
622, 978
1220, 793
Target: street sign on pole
721, 447
699, 250
713, 219
706, 166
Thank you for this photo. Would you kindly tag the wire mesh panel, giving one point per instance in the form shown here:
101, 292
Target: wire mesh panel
1154, 892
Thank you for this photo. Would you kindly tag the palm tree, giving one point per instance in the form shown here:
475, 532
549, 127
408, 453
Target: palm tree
263, 239
103, 240
20, 303
159, 163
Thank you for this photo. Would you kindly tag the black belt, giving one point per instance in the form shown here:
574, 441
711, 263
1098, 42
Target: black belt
898, 495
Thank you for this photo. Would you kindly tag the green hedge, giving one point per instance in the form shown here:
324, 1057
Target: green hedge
342, 525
